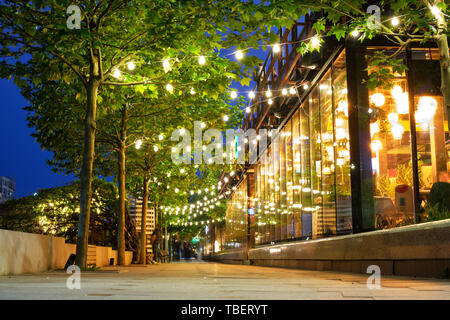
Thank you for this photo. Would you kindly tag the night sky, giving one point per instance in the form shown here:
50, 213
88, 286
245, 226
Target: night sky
21, 156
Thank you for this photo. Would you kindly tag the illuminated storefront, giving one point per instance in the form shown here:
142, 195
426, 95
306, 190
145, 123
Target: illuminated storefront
347, 159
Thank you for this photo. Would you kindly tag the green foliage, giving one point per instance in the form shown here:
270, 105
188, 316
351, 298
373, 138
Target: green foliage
54, 211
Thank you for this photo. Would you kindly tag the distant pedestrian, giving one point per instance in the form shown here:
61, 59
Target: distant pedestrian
156, 241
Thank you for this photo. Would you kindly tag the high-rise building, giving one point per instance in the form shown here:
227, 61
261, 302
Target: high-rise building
136, 215
7, 188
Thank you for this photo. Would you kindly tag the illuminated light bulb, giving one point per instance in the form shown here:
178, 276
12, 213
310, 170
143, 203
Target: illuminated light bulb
429, 104
176, 190
138, 144
168, 174
395, 21
435, 10
251, 94
268, 93
393, 118
239, 54
168, 187
192, 91
315, 42
225, 179
192, 192
233, 94
225, 118
284, 91
155, 148
203, 125
210, 160
117, 74
397, 131
182, 170
201, 60
370, 110
355, 33
204, 148
131, 65
376, 145
374, 129
174, 149
269, 101
169, 88
305, 86
276, 48
232, 173
160, 137
245, 140
378, 99
248, 110
166, 65
199, 191
292, 90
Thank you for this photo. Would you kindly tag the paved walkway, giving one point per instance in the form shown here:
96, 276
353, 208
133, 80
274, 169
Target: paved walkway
207, 281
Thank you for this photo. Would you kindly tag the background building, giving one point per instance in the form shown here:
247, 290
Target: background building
7, 188
136, 215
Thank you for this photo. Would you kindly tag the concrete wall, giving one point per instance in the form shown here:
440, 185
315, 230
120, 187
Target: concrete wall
30, 253
416, 250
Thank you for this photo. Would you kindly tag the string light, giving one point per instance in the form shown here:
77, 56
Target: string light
248, 110
166, 65
201, 60
138, 144
355, 33
276, 48
268, 93
117, 74
160, 137
315, 42
225, 118
233, 94
239, 54
192, 91
284, 91
169, 88
251, 94
155, 148
292, 90
435, 10
395, 21
269, 101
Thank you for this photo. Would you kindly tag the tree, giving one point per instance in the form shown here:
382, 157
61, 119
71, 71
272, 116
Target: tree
112, 34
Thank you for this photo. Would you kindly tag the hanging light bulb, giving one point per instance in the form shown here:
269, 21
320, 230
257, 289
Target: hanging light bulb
393, 117
138, 144
166, 65
292, 90
182, 170
269, 101
117, 74
268, 93
192, 91
397, 131
225, 118
248, 110
233, 94
160, 137
276, 48
435, 10
251, 94
169, 88
315, 42
131, 65
201, 60
395, 21
155, 148
284, 91
239, 54
305, 86
355, 33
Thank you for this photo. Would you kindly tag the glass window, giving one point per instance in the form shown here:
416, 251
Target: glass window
305, 163
283, 193
342, 141
291, 228
296, 206
391, 154
328, 155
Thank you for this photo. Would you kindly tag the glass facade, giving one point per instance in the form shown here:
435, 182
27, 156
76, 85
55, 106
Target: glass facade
236, 218
303, 178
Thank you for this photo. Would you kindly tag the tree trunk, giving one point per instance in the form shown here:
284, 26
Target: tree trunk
86, 175
144, 222
122, 191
